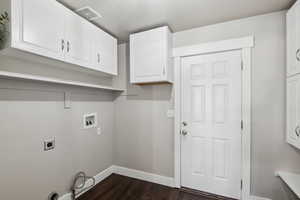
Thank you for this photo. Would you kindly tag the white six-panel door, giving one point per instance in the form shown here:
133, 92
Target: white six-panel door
211, 129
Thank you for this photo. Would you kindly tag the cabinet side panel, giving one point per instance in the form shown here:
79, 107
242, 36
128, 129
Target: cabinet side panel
170, 58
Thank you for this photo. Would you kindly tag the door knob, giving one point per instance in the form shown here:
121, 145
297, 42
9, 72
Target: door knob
184, 123
184, 132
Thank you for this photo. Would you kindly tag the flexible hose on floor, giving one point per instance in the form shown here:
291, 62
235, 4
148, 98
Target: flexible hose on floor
79, 182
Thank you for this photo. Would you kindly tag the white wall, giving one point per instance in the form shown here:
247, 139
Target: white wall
144, 135
32, 112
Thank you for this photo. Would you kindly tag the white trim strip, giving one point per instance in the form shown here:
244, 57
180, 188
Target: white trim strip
141, 175
177, 121
224, 45
145, 176
246, 117
258, 198
99, 178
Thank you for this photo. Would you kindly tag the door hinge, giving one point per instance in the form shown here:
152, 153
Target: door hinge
242, 124
241, 184
242, 65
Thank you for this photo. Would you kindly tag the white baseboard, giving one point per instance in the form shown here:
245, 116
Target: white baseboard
141, 175
145, 176
99, 177
258, 198
66, 197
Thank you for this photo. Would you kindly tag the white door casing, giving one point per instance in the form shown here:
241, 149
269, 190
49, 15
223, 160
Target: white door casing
245, 45
211, 108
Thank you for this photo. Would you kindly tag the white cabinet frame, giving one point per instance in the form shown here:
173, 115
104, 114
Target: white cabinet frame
244, 44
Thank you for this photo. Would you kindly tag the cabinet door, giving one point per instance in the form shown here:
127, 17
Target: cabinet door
78, 45
147, 56
38, 27
104, 53
109, 54
293, 110
293, 40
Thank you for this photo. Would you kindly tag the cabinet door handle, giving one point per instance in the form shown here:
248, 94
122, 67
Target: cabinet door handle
184, 132
297, 131
68, 46
298, 55
62, 44
164, 71
98, 55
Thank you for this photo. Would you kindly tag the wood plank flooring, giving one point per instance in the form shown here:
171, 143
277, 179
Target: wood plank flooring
117, 187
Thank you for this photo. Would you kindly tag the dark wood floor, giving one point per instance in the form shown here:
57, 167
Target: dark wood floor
117, 187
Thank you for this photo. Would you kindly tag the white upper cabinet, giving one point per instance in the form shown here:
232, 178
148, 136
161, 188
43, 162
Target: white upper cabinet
38, 27
77, 40
293, 76
293, 111
293, 40
150, 56
47, 28
104, 52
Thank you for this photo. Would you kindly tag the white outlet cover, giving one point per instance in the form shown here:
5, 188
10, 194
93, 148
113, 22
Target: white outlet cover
170, 113
99, 132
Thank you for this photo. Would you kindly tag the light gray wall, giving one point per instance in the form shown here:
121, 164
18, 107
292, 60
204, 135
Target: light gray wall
32, 112
144, 135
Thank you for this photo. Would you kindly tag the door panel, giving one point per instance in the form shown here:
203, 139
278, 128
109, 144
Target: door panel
211, 106
42, 27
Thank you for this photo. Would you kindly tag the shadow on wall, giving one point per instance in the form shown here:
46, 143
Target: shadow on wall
21, 90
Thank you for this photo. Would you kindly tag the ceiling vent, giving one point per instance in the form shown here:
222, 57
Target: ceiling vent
88, 13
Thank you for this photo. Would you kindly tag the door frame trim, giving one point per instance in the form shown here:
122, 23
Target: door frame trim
245, 45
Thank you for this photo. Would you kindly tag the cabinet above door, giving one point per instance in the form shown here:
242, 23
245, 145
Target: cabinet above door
47, 28
150, 56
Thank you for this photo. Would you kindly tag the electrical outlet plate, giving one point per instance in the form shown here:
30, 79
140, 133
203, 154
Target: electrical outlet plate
170, 113
49, 145
90, 120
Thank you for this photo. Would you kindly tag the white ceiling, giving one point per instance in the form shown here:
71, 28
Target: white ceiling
122, 17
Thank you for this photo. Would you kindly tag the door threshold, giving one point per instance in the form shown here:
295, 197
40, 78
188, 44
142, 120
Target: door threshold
204, 194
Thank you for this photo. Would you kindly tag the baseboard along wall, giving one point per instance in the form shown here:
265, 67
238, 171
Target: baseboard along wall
137, 174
